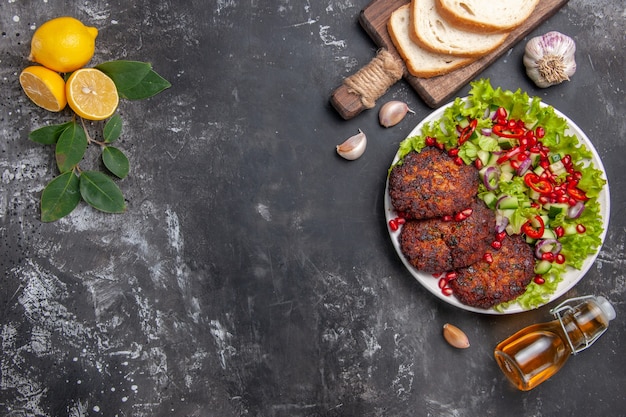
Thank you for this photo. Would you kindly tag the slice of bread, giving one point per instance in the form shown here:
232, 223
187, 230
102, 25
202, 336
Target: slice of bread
486, 15
419, 61
431, 31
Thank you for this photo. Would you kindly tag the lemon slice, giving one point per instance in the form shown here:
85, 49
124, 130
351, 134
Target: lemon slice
44, 87
91, 94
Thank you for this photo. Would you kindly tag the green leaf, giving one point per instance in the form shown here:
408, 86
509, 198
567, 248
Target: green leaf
113, 129
100, 192
60, 197
115, 161
71, 147
151, 85
134, 80
125, 74
48, 135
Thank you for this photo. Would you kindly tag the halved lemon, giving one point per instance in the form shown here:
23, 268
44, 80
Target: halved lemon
44, 87
91, 94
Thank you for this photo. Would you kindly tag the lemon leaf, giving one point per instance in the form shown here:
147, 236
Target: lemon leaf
134, 80
100, 192
71, 147
115, 161
125, 74
48, 135
151, 85
112, 129
60, 197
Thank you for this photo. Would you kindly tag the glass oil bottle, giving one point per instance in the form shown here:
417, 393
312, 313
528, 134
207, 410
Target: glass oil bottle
535, 353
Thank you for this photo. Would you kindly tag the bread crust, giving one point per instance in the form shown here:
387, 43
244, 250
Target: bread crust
434, 33
415, 57
463, 19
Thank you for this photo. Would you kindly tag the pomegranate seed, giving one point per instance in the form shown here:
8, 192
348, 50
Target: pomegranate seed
443, 283
478, 163
447, 218
539, 280
559, 230
393, 225
453, 152
581, 228
540, 132
446, 291
430, 141
567, 160
458, 160
439, 145
451, 275
459, 217
496, 244
487, 257
560, 259
400, 220
500, 236
548, 256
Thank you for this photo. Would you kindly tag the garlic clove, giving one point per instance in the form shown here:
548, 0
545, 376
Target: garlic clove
549, 59
353, 147
392, 112
455, 336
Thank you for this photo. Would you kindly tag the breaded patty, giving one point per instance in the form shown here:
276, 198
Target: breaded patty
485, 285
430, 184
435, 245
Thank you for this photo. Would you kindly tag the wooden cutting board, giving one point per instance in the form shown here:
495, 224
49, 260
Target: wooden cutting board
438, 90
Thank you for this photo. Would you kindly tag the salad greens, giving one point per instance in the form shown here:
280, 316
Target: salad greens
538, 179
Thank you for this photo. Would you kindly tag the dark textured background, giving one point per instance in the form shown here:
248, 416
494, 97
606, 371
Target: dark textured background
252, 274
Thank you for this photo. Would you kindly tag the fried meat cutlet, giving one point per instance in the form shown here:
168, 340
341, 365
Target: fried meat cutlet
430, 184
436, 245
485, 285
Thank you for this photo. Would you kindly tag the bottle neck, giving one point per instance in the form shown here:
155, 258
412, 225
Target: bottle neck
582, 325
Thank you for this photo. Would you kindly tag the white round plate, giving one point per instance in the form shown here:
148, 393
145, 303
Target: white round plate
571, 277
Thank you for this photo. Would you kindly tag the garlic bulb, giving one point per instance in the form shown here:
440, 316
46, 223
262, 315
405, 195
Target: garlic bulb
549, 59
392, 112
353, 147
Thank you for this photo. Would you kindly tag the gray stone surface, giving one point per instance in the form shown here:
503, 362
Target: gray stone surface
252, 273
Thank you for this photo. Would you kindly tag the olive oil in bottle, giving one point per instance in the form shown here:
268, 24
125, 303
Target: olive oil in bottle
535, 353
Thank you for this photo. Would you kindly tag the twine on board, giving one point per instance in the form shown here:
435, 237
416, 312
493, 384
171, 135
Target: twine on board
374, 79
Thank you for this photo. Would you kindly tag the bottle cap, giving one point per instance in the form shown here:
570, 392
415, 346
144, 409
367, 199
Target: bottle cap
606, 307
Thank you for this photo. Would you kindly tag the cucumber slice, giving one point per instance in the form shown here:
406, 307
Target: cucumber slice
557, 208
508, 203
542, 267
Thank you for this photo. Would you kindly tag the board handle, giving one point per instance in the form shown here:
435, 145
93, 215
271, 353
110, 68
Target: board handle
361, 90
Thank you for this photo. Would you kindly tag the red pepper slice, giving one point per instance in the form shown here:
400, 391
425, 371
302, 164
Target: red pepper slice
467, 131
511, 153
529, 230
536, 183
577, 193
508, 132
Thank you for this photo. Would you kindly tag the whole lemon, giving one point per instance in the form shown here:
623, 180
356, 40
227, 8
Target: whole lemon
63, 44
